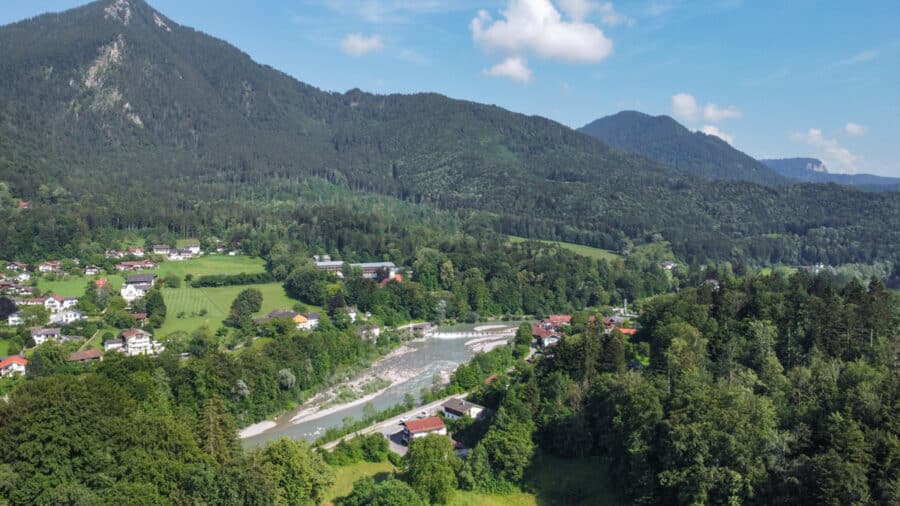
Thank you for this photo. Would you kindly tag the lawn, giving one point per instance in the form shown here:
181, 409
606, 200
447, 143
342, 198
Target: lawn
212, 264
551, 481
578, 249
217, 302
346, 475
73, 286
4, 347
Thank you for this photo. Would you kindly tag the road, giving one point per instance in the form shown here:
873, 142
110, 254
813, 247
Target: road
391, 427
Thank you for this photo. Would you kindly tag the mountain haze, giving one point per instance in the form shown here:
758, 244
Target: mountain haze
812, 170
115, 104
666, 141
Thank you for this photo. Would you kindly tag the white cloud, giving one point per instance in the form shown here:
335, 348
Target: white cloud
715, 114
357, 44
536, 27
514, 67
834, 155
714, 130
684, 106
855, 129
579, 10
861, 57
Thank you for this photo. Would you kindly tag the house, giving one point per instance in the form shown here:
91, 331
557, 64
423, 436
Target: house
13, 365
460, 408
368, 331
100, 283
133, 342
41, 336
135, 265
413, 429
545, 336
85, 356
322, 258
33, 301
137, 286
15, 319
52, 266
67, 317
307, 321
176, 255
23, 277
56, 303
161, 249
24, 204
276, 315
25, 291
91, 270
114, 254
192, 250
377, 270
136, 252
140, 318
558, 321
16, 267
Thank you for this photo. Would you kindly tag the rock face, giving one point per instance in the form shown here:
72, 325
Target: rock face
119, 10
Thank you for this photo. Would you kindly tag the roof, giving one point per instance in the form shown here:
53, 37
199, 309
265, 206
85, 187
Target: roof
628, 332
490, 379
424, 425
330, 263
541, 332
13, 359
559, 319
133, 332
81, 356
458, 405
312, 316
136, 279
374, 265
46, 332
140, 316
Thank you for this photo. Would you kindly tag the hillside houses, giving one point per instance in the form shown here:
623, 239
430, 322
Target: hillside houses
550, 330
56, 303
67, 317
137, 286
42, 335
54, 266
134, 342
16, 267
302, 321
176, 254
13, 365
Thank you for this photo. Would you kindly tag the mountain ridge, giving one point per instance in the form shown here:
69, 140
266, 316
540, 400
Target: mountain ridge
664, 140
89, 103
812, 170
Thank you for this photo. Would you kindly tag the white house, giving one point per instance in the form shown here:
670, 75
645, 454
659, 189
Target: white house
13, 365
53, 266
137, 286
41, 336
460, 408
307, 321
16, 266
133, 342
23, 277
15, 319
67, 317
56, 303
91, 270
161, 249
193, 249
413, 429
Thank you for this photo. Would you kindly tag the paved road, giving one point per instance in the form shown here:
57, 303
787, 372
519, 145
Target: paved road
391, 428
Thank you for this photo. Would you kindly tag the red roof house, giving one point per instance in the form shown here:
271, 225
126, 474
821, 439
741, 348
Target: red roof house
422, 427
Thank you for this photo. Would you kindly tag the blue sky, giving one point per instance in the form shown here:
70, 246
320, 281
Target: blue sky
775, 78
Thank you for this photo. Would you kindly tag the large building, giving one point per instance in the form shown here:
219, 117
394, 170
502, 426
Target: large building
370, 270
134, 342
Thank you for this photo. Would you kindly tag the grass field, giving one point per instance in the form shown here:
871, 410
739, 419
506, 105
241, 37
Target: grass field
578, 249
212, 264
551, 481
346, 475
4, 347
74, 286
217, 302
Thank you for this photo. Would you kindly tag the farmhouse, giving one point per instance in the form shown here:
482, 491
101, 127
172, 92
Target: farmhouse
67, 317
16, 267
413, 429
15, 319
460, 408
85, 356
12, 365
135, 265
52, 266
41, 336
91, 270
161, 249
137, 286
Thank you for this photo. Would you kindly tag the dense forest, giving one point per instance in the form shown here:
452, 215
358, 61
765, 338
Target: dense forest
107, 127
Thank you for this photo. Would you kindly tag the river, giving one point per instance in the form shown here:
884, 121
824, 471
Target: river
409, 368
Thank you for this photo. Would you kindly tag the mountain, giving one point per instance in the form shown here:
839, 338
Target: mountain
666, 141
113, 115
811, 170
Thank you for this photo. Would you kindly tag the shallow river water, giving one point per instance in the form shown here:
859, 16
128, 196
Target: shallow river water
412, 368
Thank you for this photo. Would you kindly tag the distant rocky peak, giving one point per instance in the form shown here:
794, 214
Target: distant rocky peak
161, 23
119, 10
817, 166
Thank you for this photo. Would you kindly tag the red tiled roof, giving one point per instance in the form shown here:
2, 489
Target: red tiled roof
559, 319
15, 359
80, 356
628, 332
424, 425
131, 332
540, 332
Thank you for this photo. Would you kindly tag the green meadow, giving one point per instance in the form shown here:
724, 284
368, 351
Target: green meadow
578, 249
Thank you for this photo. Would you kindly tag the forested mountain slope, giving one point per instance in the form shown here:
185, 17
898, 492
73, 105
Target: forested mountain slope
663, 139
112, 115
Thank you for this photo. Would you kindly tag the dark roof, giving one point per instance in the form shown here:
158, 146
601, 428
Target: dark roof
424, 425
137, 279
81, 356
459, 406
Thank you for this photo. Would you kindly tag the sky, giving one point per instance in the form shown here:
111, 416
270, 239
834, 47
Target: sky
773, 78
